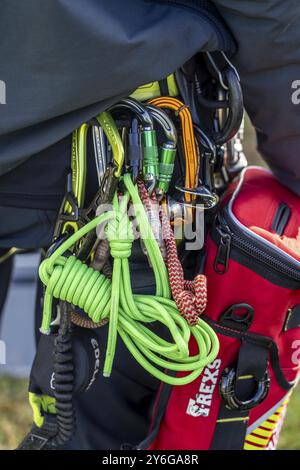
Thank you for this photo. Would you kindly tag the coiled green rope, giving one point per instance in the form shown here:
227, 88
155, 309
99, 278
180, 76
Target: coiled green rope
69, 279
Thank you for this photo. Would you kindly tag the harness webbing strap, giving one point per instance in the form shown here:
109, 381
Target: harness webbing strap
231, 426
190, 296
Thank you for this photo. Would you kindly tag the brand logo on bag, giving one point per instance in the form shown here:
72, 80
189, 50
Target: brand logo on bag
201, 404
296, 354
2, 92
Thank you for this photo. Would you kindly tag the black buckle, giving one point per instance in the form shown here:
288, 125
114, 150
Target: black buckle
33, 441
238, 316
41, 438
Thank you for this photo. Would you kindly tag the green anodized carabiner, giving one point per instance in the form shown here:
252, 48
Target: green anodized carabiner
167, 151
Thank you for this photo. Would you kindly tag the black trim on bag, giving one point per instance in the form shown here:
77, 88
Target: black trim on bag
255, 265
281, 218
162, 403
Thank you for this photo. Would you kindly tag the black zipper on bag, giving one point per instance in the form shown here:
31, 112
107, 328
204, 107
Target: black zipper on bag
234, 242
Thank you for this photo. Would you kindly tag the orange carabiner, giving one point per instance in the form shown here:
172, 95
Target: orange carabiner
189, 142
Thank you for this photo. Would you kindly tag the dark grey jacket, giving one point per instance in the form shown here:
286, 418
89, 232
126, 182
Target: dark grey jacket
268, 60
62, 61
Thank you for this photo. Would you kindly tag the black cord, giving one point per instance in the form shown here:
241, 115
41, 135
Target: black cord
64, 379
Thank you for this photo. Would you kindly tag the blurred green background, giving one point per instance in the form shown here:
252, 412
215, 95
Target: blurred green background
15, 413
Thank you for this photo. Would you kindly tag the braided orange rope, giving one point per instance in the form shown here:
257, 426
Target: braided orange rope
189, 296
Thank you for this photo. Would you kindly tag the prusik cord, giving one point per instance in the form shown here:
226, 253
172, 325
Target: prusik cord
128, 314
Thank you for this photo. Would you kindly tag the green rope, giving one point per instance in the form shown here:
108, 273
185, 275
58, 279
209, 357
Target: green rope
68, 279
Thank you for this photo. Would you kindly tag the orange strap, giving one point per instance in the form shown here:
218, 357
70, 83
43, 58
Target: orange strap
188, 136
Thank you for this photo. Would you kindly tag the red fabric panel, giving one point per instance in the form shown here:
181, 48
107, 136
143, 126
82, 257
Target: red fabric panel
255, 205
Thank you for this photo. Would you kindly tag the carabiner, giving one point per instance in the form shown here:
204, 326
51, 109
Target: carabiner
165, 122
135, 107
235, 158
168, 149
149, 141
229, 99
69, 219
227, 389
219, 72
110, 129
235, 114
135, 149
109, 181
189, 144
100, 151
204, 194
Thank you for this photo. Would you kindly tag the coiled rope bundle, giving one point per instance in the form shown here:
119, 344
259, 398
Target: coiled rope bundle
66, 278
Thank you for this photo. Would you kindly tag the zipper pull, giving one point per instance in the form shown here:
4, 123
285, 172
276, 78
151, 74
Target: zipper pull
223, 253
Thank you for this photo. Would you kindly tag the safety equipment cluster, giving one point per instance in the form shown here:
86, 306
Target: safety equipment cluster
163, 156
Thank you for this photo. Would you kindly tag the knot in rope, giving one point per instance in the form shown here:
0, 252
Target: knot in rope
191, 299
120, 235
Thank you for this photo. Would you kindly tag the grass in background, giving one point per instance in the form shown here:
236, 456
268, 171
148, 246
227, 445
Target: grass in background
15, 413
290, 436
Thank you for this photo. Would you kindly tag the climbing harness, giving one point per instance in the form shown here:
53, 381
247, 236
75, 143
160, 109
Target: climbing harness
74, 282
147, 154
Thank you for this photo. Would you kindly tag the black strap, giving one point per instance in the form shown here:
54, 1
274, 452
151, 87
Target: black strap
252, 361
161, 406
292, 318
231, 427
